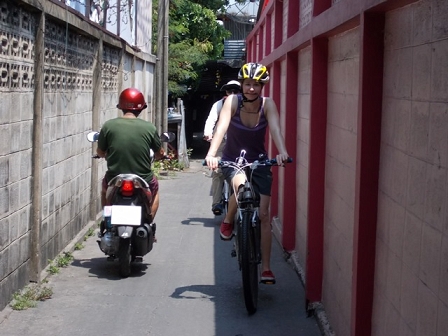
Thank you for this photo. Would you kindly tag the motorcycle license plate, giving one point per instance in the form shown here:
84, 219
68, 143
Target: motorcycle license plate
124, 214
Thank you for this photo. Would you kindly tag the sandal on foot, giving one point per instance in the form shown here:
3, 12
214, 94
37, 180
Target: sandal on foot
268, 278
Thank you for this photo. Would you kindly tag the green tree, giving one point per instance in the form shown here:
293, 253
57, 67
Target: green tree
213, 4
195, 36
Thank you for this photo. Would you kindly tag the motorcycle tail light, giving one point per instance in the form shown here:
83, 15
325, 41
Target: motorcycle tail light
127, 188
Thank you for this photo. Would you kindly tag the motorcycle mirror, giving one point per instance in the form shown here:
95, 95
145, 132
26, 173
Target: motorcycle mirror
167, 136
93, 136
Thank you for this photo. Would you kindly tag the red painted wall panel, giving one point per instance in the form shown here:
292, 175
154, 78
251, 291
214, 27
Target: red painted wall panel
368, 158
275, 73
290, 133
316, 174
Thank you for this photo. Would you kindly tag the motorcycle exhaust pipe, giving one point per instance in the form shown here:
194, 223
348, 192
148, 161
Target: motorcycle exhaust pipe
142, 232
143, 240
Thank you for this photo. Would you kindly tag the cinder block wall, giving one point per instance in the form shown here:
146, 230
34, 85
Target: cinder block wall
67, 118
72, 53
16, 131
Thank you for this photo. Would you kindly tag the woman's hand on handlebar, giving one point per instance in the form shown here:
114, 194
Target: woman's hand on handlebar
212, 162
282, 158
208, 137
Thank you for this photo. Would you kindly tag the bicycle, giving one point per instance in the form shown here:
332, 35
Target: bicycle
247, 231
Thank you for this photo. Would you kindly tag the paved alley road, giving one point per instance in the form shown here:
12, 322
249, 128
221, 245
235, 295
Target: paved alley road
188, 285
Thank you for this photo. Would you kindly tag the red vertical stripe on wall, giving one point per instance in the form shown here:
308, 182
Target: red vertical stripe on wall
278, 12
293, 17
320, 6
316, 174
268, 39
275, 71
261, 43
289, 191
367, 171
249, 53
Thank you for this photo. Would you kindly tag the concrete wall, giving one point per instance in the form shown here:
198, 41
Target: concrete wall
49, 184
144, 30
411, 284
343, 71
302, 154
371, 244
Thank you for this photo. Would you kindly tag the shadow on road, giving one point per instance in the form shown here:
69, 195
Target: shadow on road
104, 269
206, 222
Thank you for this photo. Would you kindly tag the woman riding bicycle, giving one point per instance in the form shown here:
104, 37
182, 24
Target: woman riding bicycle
245, 117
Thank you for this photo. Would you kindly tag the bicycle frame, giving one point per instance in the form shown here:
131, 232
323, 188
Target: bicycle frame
225, 197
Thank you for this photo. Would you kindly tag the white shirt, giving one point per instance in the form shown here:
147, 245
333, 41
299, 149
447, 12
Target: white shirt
213, 117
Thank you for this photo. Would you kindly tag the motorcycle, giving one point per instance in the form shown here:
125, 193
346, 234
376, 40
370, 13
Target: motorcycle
127, 231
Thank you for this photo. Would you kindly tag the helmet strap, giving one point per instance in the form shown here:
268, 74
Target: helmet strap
245, 100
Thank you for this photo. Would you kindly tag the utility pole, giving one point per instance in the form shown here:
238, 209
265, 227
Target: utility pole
165, 66
161, 121
159, 65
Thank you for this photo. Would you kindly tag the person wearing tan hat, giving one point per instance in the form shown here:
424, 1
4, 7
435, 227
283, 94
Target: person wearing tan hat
232, 87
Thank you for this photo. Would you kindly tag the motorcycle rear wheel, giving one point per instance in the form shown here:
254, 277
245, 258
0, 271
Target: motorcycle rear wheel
124, 257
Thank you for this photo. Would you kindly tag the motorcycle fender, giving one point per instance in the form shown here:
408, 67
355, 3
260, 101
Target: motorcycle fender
125, 231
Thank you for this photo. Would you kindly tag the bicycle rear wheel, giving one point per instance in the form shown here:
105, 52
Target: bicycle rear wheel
249, 262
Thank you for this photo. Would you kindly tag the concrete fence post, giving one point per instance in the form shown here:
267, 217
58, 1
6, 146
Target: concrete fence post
96, 107
36, 214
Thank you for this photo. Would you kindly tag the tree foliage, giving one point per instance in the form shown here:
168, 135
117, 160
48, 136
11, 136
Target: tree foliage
213, 4
195, 36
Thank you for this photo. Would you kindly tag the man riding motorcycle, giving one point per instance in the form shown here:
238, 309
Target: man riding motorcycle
126, 143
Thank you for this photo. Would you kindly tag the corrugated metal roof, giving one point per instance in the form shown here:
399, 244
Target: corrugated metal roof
234, 49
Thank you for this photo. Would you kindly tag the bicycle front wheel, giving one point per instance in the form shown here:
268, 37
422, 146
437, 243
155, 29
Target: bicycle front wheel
225, 198
249, 262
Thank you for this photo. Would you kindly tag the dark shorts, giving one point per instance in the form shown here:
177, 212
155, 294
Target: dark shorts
261, 178
153, 185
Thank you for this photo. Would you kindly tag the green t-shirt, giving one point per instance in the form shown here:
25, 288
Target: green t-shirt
127, 143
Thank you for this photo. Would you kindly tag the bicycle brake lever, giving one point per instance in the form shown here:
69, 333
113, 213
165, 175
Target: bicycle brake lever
254, 165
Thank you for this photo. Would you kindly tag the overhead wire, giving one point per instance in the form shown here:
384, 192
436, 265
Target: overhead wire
241, 15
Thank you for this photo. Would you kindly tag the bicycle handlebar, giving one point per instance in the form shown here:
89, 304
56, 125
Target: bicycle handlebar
165, 157
264, 162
